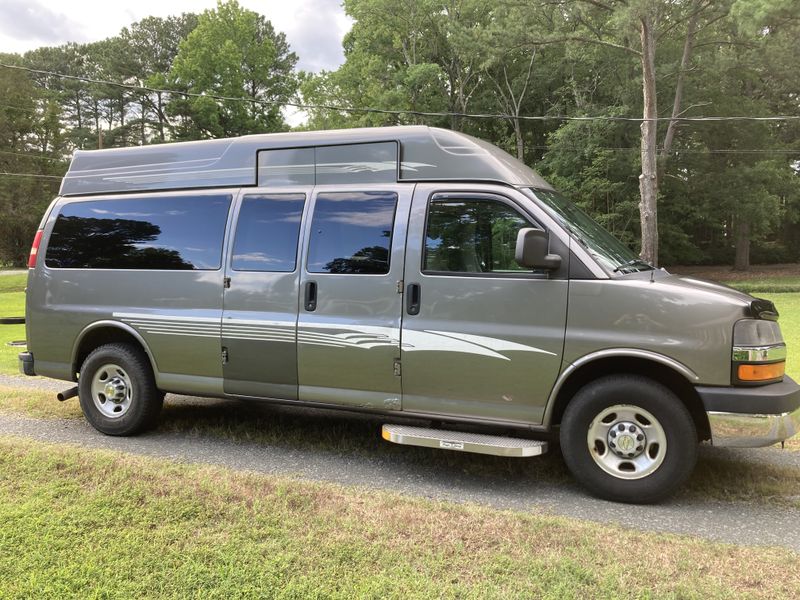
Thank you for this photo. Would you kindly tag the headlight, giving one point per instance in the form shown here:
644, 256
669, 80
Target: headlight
759, 354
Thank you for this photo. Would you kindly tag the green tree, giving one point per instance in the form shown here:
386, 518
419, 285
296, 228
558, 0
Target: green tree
72, 95
591, 162
637, 29
407, 55
30, 147
150, 47
235, 53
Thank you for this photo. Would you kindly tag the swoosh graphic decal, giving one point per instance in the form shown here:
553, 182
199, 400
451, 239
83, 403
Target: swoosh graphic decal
204, 327
335, 337
448, 341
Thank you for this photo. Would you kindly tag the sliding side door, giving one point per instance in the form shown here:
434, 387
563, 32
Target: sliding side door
259, 324
351, 305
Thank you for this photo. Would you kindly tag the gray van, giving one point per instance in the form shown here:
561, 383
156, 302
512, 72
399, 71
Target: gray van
405, 271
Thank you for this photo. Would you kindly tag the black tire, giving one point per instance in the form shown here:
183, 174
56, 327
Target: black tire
677, 430
142, 405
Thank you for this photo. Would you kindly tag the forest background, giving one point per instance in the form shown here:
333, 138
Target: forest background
674, 123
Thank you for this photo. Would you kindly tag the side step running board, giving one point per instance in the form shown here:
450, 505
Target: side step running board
464, 442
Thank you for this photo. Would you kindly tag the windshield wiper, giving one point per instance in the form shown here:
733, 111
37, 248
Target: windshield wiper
635, 261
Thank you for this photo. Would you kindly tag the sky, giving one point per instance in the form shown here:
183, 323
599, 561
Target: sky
313, 28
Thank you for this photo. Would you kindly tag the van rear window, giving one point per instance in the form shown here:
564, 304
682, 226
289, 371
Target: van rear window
164, 233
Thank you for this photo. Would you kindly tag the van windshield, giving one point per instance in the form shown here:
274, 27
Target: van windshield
607, 250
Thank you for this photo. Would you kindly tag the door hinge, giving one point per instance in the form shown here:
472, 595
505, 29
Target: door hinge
400, 287
226, 282
398, 370
224, 356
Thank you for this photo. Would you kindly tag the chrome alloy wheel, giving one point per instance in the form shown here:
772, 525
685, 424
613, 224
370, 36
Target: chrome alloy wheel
627, 442
112, 391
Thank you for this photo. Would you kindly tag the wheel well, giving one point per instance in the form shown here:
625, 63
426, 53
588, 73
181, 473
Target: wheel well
666, 376
100, 336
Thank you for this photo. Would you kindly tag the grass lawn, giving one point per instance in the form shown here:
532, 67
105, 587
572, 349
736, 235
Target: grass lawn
15, 282
12, 304
760, 278
81, 523
766, 285
788, 306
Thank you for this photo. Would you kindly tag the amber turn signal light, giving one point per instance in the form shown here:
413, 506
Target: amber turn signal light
761, 372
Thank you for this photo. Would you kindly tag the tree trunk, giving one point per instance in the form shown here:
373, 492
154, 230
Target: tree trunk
648, 180
691, 28
742, 236
520, 142
142, 125
160, 112
78, 111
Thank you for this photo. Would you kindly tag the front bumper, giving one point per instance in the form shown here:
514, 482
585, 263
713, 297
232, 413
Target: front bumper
752, 417
739, 430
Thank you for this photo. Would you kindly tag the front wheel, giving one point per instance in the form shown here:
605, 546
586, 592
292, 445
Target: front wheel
629, 439
117, 390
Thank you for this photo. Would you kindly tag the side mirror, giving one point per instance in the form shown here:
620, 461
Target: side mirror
533, 250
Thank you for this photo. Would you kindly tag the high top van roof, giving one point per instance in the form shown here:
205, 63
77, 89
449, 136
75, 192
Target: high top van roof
423, 154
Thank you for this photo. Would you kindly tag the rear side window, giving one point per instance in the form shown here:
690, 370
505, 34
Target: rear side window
472, 236
165, 233
357, 163
351, 232
286, 167
267, 232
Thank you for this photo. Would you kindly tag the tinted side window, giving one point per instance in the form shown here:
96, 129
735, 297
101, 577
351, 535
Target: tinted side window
170, 232
267, 232
351, 232
472, 236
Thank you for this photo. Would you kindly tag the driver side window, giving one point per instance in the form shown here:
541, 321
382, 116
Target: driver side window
472, 236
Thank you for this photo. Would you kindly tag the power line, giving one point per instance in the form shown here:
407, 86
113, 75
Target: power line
32, 175
31, 155
384, 111
674, 150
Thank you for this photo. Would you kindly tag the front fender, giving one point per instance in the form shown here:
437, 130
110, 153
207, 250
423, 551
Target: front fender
587, 359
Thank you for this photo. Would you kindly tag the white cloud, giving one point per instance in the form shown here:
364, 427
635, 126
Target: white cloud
34, 22
315, 31
313, 28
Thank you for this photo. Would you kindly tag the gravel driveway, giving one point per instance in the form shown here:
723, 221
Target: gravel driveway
737, 523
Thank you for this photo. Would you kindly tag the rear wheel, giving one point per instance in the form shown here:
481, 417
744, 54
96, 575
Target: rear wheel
629, 439
117, 390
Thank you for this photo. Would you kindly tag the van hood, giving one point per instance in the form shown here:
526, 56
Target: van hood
696, 283
685, 284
